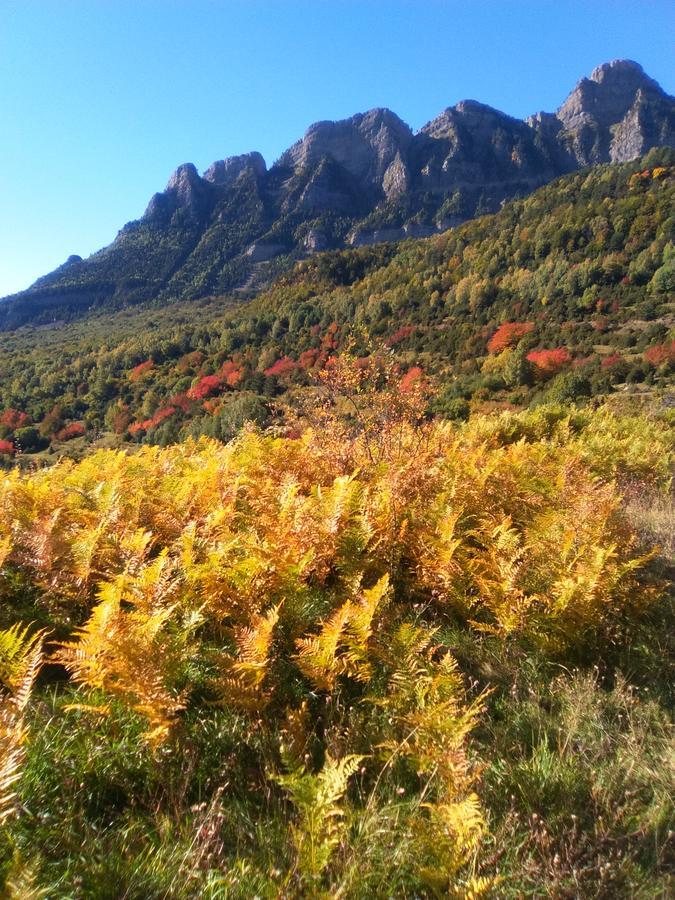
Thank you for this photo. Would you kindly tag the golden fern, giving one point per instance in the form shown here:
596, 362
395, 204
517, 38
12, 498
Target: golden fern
126, 647
320, 824
447, 835
20, 659
317, 655
427, 707
20, 881
341, 646
242, 680
430, 722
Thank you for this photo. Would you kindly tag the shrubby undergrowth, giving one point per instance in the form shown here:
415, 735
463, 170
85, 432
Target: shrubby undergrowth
370, 656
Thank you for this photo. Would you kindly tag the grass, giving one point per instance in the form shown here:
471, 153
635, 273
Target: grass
577, 778
579, 783
579, 764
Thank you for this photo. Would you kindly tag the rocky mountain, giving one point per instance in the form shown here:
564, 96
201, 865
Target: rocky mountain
362, 180
615, 115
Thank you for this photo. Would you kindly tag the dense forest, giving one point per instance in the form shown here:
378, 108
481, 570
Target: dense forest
561, 296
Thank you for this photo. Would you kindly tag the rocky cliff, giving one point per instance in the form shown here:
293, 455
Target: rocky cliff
615, 115
364, 179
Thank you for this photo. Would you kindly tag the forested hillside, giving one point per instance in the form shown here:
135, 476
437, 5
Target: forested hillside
565, 295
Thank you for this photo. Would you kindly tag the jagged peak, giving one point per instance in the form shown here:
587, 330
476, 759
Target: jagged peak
223, 171
367, 123
475, 106
184, 189
466, 111
364, 144
620, 67
184, 175
609, 92
380, 114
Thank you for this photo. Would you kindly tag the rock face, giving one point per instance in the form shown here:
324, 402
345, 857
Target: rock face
371, 147
186, 192
261, 252
616, 114
361, 180
225, 171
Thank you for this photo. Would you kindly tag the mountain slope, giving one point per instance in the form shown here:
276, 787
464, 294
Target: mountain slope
362, 180
567, 293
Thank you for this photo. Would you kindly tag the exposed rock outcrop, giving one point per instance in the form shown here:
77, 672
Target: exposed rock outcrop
365, 146
225, 171
616, 114
261, 251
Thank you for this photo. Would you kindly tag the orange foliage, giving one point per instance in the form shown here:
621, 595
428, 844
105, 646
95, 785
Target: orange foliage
403, 332
308, 359
283, 366
140, 370
231, 373
74, 430
12, 419
550, 362
329, 340
508, 335
160, 416
411, 379
213, 405
207, 384
180, 401
661, 353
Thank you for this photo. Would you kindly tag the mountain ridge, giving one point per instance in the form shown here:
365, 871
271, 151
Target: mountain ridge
357, 181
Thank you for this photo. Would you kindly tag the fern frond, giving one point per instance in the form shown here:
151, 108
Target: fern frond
357, 654
342, 645
127, 648
24, 653
16, 645
317, 798
243, 676
447, 837
317, 656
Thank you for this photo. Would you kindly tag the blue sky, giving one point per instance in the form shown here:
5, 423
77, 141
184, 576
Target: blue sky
101, 99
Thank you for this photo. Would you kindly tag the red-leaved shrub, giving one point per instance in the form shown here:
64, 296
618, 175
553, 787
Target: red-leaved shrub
283, 366
403, 332
139, 371
74, 430
160, 416
207, 384
661, 353
508, 335
550, 362
13, 418
411, 378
